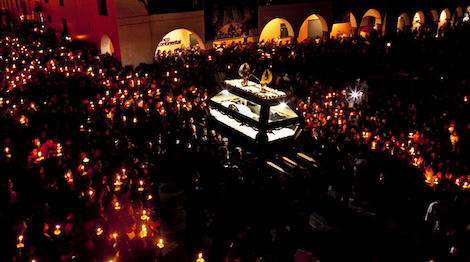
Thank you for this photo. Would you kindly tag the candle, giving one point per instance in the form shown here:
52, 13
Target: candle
160, 244
141, 188
59, 150
144, 216
115, 240
116, 206
20, 244
143, 233
199, 258
40, 157
99, 231
57, 230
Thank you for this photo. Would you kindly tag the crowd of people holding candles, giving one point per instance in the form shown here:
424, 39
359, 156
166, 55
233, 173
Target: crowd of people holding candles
86, 144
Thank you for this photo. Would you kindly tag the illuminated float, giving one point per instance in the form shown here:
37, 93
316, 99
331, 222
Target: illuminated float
254, 109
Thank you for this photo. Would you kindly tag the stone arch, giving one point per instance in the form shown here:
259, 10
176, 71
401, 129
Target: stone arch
179, 38
371, 20
347, 26
277, 28
457, 16
465, 16
106, 45
417, 22
403, 22
312, 27
435, 15
444, 18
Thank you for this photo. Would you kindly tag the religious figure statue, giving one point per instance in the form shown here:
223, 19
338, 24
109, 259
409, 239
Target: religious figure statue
266, 78
244, 72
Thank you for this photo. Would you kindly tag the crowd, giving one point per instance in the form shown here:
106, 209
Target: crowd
87, 142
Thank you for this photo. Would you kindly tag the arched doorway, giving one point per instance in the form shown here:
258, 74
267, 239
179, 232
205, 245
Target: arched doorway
457, 17
347, 26
466, 15
403, 22
371, 21
106, 45
444, 19
277, 29
179, 38
417, 22
313, 27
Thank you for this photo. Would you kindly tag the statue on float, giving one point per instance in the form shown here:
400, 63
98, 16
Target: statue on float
266, 78
244, 72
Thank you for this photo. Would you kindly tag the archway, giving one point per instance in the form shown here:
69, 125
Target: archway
277, 28
403, 22
466, 15
457, 16
106, 45
418, 21
371, 20
347, 26
314, 26
179, 38
444, 18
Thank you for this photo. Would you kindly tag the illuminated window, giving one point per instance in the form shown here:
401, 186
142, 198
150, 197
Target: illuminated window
41, 18
102, 8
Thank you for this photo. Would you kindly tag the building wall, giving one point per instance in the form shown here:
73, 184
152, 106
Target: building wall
162, 24
83, 21
295, 14
135, 34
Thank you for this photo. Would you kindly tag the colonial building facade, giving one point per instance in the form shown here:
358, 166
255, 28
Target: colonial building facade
133, 30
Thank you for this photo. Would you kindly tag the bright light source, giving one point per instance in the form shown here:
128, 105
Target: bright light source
283, 104
225, 92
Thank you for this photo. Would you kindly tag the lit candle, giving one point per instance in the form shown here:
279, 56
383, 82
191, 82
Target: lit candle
141, 188
199, 258
115, 239
144, 216
117, 206
57, 230
160, 244
20, 243
143, 233
99, 231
